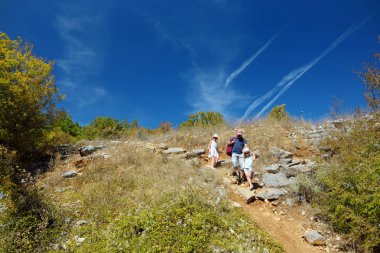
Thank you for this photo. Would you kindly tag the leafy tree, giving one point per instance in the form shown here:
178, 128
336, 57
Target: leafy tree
371, 79
279, 113
27, 95
203, 119
28, 99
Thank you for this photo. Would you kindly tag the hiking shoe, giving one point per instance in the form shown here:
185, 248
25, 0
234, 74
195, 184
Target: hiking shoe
251, 188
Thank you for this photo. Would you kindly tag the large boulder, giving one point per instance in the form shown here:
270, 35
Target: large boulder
314, 238
270, 193
276, 180
195, 153
88, 150
170, 151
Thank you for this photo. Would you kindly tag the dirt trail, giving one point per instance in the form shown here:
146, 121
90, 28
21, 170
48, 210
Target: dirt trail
286, 228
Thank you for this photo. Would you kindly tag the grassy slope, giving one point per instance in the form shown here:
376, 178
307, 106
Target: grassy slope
140, 202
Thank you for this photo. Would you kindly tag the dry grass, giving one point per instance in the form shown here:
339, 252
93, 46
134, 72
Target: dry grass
133, 181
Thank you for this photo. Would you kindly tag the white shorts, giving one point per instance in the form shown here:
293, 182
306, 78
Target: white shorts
237, 160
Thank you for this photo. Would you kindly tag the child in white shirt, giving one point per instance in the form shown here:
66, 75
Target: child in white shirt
248, 166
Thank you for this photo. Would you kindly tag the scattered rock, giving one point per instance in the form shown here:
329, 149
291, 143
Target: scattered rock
281, 154
88, 150
325, 156
80, 240
248, 195
174, 151
274, 168
70, 174
163, 146
270, 194
2, 195
314, 238
289, 202
81, 223
195, 153
301, 168
276, 180
103, 155
60, 190
235, 204
2, 208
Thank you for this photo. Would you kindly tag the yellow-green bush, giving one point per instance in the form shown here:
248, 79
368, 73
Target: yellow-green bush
351, 182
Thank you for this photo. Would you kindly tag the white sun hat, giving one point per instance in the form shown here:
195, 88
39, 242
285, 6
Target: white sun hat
245, 150
215, 136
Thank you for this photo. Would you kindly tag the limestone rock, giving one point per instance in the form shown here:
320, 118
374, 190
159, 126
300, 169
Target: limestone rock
247, 194
270, 194
276, 180
274, 168
314, 238
163, 146
88, 150
281, 154
300, 168
70, 174
195, 153
174, 151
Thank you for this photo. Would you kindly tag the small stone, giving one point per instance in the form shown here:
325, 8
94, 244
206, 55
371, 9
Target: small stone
163, 146
80, 240
236, 204
303, 213
289, 202
81, 223
70, 174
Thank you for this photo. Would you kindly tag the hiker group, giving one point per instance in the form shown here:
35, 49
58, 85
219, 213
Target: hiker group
242, 159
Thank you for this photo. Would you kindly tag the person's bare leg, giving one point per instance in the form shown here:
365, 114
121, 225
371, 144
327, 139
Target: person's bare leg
248, 174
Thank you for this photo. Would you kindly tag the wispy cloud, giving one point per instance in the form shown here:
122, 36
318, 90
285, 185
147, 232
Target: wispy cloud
209, 94
294, 75
80, 58
245, 64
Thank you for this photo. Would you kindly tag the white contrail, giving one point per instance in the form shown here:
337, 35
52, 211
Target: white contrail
294, 75
245, 64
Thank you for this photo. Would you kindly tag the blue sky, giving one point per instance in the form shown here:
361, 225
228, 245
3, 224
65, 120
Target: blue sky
161, 60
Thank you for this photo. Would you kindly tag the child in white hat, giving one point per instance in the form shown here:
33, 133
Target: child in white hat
248, 166
213, 150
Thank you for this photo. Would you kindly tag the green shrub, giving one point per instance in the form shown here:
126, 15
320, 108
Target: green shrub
351, 183
279, 113
31, 225
203, 119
